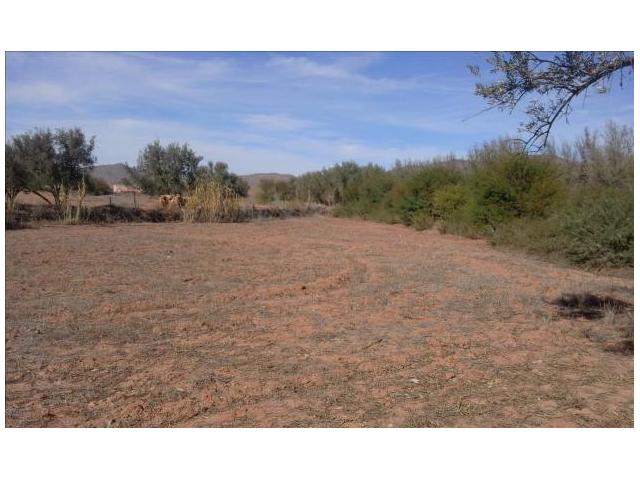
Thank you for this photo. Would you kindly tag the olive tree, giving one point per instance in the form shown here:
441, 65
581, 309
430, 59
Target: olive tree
51, 162
550, 82
166, 170
219, 173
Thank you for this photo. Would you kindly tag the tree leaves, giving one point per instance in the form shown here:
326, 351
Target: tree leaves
552, 82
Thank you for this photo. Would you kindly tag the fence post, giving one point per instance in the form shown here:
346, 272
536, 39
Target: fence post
135, 205
109, 202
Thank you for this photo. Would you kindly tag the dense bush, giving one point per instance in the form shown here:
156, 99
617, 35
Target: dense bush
598, 229
364, 196
415, 195
508, 186
576, 203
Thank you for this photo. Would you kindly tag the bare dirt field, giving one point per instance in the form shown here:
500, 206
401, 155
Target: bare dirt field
305, 322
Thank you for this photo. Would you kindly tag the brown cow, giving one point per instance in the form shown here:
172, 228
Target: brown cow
176, 201
172, 201
165, 200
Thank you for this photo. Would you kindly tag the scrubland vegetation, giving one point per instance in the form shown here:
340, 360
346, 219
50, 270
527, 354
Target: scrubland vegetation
56, 167
574, 201
331, 322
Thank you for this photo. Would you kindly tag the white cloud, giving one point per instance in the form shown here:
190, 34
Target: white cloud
286, 112
343, 73
78, 78
304, 67
39, 93
120, 140
277, 122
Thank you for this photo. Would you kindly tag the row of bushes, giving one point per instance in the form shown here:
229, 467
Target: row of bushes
574, 202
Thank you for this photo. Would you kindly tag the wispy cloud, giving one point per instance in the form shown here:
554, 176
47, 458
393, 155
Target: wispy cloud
279, 122
40, 92
266, 111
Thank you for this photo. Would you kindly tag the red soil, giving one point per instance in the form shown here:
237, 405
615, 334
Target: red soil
301, 322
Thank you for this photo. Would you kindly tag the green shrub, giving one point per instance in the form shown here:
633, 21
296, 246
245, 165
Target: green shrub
598, 228
540, 236
449, 200
266, 190
577, 205
365, 197
509, 186
414, 197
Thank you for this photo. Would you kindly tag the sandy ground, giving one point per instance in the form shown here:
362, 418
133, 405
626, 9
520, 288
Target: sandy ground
302, 322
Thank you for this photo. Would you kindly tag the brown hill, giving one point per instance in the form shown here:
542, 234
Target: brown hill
111, 174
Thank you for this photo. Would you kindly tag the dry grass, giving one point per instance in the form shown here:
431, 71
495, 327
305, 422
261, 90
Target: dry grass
70, 213
302, 322
210, 203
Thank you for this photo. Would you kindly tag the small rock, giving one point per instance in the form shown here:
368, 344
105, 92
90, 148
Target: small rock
414, 380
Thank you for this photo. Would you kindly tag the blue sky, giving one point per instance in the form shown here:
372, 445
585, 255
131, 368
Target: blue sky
287, 112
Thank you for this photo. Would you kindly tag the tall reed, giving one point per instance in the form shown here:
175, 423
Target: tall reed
210, 202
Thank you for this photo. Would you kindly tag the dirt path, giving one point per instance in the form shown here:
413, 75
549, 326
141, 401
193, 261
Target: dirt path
302, 322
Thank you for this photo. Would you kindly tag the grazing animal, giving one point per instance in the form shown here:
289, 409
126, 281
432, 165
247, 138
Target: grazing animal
172, 201
177, 201
165, 200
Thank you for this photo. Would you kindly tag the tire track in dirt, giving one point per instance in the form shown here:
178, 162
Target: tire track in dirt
209, 325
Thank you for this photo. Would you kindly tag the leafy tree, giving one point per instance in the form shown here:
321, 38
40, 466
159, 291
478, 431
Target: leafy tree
74, 156
166, 170
16, 176
327, 186
53, 162
219, 173
553, 83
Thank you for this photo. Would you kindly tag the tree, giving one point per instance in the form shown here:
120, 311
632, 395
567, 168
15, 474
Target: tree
53, 162
219, 173
36, 151
166, 170
16, 176
553, 83
73, 158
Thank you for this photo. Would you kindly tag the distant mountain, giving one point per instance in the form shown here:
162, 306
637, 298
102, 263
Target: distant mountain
111, 174
254, 179
118, 173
